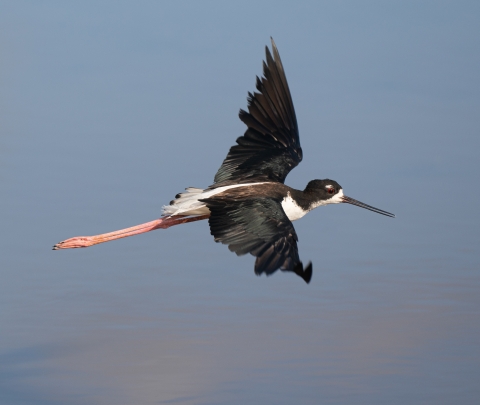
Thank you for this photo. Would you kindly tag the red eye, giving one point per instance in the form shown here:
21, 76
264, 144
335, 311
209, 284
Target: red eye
330, 190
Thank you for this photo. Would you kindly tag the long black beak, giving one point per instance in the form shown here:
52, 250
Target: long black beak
349, 200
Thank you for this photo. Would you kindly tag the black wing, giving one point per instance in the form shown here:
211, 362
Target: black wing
258, 226
270, 147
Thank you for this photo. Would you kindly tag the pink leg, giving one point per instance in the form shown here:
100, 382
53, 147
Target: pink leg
161, 223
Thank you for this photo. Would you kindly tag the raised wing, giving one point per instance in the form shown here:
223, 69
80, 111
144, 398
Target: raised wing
258, 226
270, 147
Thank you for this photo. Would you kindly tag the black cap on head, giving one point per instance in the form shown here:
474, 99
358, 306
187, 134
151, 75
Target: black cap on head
321, 184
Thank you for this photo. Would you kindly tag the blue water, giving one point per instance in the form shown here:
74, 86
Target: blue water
110, 110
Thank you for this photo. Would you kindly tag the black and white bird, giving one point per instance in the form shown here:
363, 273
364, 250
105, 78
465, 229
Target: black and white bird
249, 208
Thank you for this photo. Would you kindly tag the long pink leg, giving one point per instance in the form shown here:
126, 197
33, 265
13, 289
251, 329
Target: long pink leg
161, 223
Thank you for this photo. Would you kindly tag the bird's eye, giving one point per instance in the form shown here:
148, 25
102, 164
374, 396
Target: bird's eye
330, 190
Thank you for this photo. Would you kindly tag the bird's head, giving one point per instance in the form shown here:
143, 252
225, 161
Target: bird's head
330, 192
325, 191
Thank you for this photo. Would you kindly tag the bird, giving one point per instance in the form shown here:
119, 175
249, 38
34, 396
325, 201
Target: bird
249, 207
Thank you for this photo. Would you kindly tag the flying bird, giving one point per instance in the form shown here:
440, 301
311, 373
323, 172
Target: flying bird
248, 207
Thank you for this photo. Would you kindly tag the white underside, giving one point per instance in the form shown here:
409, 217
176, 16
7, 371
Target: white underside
292, 210
188, 203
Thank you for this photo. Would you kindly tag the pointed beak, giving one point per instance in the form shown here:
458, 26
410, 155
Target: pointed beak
349, 200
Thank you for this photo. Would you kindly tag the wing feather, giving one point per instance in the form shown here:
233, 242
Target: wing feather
270, 147
258, 226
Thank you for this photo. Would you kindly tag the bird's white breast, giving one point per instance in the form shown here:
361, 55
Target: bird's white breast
291, 208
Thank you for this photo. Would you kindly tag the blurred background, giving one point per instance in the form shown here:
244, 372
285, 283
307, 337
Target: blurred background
108, 109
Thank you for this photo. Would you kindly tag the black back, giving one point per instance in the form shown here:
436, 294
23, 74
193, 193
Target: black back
270, 147
258, 226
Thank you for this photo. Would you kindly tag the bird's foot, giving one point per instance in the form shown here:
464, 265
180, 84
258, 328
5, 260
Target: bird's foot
76, 242
161, 223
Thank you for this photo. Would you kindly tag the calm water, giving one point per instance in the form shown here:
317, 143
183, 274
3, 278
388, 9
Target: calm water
108, 111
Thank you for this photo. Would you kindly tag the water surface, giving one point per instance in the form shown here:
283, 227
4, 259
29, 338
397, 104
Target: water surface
110, 110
